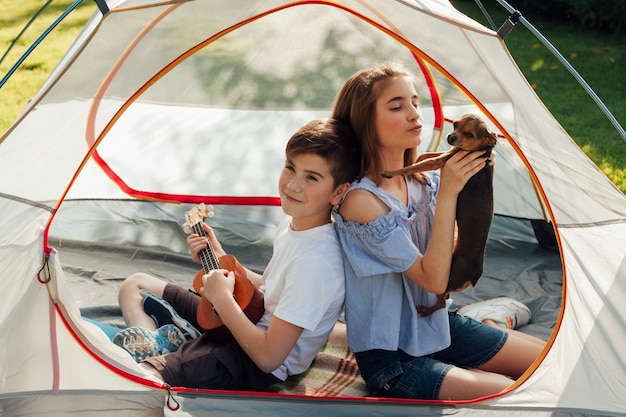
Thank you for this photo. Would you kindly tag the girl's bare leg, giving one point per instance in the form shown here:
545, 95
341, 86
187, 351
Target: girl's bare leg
517, 354
468, 384
528, 337
515, 357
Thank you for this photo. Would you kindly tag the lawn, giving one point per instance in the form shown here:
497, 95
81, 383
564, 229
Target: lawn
599, 58
26, 81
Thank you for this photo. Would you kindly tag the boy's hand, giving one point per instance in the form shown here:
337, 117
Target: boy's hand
197, 243
217, 284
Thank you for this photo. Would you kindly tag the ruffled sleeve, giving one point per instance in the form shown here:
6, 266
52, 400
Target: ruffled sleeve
378, 247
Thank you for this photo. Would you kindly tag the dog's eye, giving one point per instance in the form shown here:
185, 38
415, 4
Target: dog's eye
469, 135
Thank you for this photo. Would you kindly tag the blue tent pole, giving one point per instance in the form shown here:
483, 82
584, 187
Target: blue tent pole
30, 22
37, 42
102, 5
506, 28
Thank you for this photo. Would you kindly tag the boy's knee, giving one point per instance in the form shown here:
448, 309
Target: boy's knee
139, 281
132, 282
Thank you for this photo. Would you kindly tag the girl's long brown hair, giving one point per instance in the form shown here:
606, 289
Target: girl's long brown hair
355, 105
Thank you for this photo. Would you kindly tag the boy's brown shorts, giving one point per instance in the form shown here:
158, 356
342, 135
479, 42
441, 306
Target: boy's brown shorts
202, 362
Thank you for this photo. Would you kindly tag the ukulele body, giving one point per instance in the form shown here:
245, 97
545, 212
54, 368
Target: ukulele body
247, 296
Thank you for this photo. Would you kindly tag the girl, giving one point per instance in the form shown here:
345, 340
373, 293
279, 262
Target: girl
398, 252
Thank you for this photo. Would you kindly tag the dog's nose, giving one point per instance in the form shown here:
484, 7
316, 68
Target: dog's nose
451, 138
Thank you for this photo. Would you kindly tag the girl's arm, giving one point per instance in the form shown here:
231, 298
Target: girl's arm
432, 269
362, 207
268, 349
197, 243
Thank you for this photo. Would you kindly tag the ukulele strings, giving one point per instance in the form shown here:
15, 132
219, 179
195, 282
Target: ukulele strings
207, 255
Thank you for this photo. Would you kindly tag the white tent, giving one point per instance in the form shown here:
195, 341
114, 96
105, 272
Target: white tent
161, 102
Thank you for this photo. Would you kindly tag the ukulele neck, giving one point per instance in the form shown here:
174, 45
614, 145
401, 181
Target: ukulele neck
207, 255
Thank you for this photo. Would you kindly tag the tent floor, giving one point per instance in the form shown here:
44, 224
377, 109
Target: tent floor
516, 266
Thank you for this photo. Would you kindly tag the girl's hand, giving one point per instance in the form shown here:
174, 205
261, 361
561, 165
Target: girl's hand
460, 168
197, 243
218, 283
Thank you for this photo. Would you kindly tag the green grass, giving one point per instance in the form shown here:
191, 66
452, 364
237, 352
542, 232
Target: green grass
599, 58
26, 81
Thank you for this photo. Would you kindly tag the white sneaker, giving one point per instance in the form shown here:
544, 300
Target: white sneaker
505, 311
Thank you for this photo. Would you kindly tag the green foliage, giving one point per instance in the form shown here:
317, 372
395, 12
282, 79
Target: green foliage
597, 56
26, 81
604, 15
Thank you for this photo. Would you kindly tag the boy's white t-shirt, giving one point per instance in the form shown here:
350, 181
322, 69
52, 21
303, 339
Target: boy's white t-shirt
304, 285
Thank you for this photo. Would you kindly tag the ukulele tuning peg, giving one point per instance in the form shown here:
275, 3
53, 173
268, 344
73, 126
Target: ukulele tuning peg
205, 211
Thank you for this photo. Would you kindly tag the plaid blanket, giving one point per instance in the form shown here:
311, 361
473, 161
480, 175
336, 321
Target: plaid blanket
333, 373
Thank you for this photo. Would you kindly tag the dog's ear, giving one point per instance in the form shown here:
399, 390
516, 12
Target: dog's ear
482, 131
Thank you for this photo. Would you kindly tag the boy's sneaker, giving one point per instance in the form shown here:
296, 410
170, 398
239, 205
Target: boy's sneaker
163, 313
142, 343
505, 311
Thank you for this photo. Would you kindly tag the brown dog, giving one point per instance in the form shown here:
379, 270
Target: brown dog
474, 208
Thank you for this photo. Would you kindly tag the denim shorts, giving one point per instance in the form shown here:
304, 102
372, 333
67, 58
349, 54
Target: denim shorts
399, 375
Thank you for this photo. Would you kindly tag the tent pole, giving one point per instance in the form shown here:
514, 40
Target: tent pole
102, 5
30, 22
37, 42
511, 22
486, 14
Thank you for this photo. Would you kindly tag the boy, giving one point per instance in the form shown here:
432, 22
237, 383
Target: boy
303, 284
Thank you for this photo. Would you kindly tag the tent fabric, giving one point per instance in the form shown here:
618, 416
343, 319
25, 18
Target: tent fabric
94, 282
162, 102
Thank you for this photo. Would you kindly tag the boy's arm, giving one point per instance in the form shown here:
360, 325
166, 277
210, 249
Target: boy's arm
255, 278
267, 349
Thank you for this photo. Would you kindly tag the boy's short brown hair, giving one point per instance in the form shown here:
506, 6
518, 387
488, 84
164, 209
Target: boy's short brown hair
332, 140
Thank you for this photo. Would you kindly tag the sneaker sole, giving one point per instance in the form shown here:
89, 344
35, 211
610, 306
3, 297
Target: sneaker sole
142, 343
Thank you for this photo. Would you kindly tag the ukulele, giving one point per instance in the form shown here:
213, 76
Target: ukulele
247, 296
